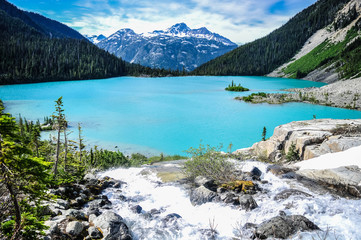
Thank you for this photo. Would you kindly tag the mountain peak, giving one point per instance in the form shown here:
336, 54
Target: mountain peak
179, 28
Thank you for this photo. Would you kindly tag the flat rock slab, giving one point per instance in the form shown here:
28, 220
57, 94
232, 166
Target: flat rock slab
346, 179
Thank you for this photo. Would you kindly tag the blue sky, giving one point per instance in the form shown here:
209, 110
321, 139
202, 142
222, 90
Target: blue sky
239, 20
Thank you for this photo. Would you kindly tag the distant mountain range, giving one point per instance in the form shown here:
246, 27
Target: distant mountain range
176, 48
321, 43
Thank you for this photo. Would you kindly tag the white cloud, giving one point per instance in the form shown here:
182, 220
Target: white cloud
239, 20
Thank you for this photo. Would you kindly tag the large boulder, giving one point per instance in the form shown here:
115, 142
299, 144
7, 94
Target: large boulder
311, 138
283, 227
74, 228
346, 180
202, 195
112, 226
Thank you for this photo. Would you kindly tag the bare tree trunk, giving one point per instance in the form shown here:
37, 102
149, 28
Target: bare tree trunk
14, 199
66, 150
57, 153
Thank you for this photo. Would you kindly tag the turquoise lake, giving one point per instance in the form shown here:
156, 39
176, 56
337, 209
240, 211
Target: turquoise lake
169, 115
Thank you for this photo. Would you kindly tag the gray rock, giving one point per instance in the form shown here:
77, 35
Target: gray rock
136, 209
247, 202
283, 227
312, 138
77, 214
346, 180
202, 195
99, 203
90, 176
290, 192
112, 226
256, 173
63, 204
94, 233
53, 227
74, 228
200, 180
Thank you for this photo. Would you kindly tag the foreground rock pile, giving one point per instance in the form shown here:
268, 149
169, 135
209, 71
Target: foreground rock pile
72, 220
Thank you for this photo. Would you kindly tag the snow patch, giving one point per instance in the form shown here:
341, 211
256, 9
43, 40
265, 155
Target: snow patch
348, 157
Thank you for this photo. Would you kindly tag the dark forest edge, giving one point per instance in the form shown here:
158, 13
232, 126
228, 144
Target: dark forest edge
30, 54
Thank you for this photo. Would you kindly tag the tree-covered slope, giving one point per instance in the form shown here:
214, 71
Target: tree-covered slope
30, 55
266, 54
44, 25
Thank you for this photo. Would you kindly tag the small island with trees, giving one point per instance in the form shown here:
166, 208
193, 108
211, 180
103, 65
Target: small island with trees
234, 88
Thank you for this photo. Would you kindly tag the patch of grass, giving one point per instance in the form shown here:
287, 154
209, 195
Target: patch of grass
325, 54
162, 158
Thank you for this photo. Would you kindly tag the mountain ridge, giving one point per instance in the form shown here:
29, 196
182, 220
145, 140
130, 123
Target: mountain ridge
178, 47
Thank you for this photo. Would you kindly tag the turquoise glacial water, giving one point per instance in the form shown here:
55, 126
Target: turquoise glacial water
169, 115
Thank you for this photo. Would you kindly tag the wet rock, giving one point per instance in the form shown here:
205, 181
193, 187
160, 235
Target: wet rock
202, 195
283, 227
63, 204
99, 203
171, 218
278, 169
95, 211
247, 202
95, 233
255, 173
77, 214
290, 192
230, 198
121, 197
112, 226
136, 209
74, 228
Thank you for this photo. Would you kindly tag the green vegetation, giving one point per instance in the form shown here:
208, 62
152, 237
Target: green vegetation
266, 54
234, 88
209, 162
162, 158
264, 133
293, 154
344, 53
251, 97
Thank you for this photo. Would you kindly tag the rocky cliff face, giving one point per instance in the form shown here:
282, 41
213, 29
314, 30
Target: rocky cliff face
309, 139
176, 48
330, 50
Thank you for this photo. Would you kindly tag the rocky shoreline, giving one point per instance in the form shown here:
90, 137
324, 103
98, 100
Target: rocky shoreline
342, 94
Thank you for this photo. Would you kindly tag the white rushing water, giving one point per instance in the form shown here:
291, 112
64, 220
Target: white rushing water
338, 217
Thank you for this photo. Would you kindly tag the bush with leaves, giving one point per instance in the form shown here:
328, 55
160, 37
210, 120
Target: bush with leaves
209, 162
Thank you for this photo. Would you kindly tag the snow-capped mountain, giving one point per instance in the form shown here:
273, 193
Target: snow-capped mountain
177, 47
95, 38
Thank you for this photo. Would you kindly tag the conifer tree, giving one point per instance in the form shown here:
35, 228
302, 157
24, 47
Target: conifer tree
20, 173
59, 122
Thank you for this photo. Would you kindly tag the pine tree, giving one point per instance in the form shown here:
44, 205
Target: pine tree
264, 133
21, 173
59, 122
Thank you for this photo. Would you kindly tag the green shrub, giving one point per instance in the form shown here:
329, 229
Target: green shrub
293, 154
210, 163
